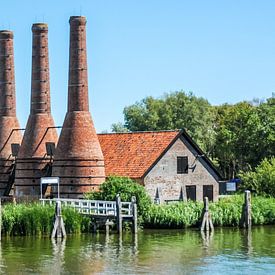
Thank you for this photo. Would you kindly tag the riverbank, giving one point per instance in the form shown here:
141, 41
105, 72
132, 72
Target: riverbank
35, 219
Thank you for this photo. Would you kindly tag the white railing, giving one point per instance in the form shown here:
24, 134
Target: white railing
94, 207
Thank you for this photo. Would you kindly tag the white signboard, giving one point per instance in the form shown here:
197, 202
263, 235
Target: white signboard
50, 180
231, 186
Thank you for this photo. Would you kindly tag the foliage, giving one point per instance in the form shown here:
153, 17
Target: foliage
36, 219
225, 212
176, 110
127, 188
245, 134
119, 128
262, 180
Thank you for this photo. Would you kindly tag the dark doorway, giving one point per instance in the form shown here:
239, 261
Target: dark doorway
208, 192
191, 192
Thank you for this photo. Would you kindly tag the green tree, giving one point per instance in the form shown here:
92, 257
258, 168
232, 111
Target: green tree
176, 110
244, 135
119, 128
262, 179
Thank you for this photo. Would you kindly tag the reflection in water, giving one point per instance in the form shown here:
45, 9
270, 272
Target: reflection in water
248, 241
151, 251
58, 254
207, 239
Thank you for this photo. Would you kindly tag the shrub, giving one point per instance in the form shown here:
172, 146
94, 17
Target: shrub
126, 188
262, 180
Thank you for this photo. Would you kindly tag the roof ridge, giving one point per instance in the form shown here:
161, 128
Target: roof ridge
139, 132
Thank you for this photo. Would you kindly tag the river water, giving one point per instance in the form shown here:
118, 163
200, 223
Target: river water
227, 251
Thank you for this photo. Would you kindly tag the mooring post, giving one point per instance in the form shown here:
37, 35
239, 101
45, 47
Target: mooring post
247, 209
0, 219
206, 221
118, 214
58, 228
134, 212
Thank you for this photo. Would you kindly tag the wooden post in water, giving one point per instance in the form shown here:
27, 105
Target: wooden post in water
118, 214
58, 228
107, 226
0, 219
134, 212
206, 220
246, 215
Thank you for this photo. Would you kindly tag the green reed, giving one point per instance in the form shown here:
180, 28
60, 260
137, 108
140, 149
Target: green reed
226, 212
36, 219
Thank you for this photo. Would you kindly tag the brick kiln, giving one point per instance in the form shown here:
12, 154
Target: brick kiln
8, 121
33, 161
78, 157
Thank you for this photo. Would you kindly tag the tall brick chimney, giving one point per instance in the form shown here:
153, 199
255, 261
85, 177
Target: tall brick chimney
33, 162
8, 119
78, 158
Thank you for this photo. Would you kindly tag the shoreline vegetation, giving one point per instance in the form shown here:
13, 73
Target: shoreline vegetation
35, 219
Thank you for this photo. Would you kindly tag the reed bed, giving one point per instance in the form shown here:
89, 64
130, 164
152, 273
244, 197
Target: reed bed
36, 219
225, 212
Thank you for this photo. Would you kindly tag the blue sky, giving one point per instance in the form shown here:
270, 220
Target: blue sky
221, 50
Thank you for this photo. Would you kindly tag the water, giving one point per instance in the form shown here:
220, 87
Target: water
228, 251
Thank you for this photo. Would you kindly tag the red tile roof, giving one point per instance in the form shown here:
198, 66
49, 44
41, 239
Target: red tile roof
132, 154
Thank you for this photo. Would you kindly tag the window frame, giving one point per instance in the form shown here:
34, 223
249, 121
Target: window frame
180, 165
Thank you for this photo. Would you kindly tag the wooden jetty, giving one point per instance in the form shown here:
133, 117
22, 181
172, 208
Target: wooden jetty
103, 212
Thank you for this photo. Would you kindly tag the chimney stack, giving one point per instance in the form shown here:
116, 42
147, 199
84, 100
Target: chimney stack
8, 119
78, 158
33, 162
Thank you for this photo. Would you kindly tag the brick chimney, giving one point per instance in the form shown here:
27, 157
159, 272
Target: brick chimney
8, 119
33, 162
78, 158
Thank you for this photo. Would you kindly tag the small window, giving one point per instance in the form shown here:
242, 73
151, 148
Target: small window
182, 165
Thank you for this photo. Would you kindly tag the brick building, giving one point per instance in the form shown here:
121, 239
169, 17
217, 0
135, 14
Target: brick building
169, 164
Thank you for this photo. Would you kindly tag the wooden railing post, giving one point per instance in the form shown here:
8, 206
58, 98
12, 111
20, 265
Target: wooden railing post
118, 214
134, 213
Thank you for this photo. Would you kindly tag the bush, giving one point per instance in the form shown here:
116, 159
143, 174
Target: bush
262, 180
126, 188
